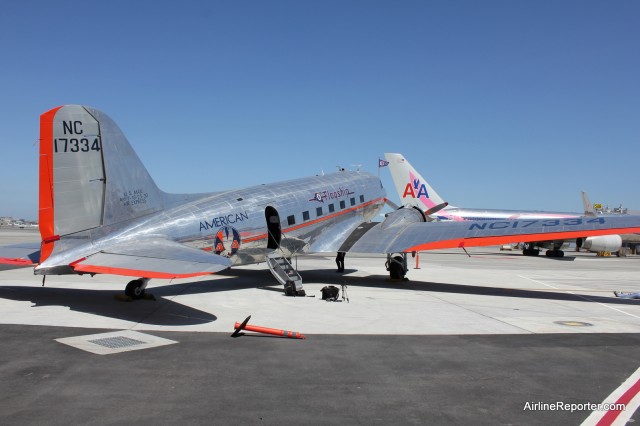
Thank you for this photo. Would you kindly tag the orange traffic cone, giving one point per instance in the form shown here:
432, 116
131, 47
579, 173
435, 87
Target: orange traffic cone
266, 330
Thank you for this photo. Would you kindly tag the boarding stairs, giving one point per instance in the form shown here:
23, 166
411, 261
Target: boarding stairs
285, 274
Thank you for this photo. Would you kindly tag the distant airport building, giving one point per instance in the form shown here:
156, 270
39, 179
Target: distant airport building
8, 221
601, 209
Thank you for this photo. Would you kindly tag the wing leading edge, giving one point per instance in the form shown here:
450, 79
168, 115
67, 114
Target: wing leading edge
422, 236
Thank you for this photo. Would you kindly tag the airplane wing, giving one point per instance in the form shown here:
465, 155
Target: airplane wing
404, 230
152, 258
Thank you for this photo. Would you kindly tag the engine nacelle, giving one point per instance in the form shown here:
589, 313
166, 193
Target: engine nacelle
404, 216
610, 243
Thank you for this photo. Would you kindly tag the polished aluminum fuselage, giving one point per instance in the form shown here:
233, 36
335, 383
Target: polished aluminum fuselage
301, 207
356, 197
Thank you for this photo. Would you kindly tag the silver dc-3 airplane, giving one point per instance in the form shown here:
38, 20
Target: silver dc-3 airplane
414, 190
100, 212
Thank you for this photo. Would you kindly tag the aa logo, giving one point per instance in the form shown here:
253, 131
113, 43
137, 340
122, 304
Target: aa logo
415, 190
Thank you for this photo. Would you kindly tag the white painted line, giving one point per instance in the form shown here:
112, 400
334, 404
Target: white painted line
629, 394
580, 296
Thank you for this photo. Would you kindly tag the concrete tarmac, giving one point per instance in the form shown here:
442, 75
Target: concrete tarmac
465, 340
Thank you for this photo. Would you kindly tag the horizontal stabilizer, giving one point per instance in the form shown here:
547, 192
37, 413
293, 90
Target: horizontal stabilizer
25, 254
154, 258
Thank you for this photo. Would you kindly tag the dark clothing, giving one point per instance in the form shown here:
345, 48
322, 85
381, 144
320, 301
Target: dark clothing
340, 261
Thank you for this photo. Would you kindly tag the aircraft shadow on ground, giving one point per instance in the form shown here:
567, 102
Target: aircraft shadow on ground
162, 311
103, 303
508, 254
569, 256
228, 280
382, 281
166, 312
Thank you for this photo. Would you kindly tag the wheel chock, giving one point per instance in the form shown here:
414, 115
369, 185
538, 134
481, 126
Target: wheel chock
123, 298
266, 330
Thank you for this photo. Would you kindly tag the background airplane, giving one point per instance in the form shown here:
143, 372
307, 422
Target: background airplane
100, 212
413, 189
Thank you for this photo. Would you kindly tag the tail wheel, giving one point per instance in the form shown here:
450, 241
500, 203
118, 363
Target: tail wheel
135, 289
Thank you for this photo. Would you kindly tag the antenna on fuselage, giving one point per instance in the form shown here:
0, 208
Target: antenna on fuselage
357, 166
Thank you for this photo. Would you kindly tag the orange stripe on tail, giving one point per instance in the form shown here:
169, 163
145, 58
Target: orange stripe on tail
46, 213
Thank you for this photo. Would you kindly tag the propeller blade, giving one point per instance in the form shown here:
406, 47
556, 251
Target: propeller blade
436, 209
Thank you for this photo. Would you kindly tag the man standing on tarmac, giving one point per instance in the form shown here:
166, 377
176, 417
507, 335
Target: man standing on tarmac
340, 261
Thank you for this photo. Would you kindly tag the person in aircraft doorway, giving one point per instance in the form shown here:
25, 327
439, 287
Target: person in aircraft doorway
340, 261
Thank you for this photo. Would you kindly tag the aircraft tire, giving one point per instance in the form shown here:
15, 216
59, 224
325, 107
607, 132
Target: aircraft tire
554, 253
134, 289
395, 269
531, 252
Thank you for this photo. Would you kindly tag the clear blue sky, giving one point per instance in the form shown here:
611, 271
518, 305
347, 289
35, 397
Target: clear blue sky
504, 104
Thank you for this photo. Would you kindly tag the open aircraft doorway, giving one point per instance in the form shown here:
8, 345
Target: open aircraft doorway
274, 230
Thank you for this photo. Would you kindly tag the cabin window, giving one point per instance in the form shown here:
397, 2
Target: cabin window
331, 208
353, 201
342, 204
319, 211
291, 220
362, 198
305, 215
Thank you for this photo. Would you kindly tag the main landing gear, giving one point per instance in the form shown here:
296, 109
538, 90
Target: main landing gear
136, 289
397, 265
555, 253
530, 250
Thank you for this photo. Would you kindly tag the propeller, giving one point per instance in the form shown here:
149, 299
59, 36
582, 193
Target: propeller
435, 209
428, 213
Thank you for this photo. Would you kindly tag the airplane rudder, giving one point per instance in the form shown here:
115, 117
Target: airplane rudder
46, 218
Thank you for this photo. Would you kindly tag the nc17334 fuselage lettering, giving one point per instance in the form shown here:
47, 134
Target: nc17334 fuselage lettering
515, 224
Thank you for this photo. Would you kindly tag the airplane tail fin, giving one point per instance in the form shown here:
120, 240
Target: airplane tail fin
412, 188
588, 207
89, 175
